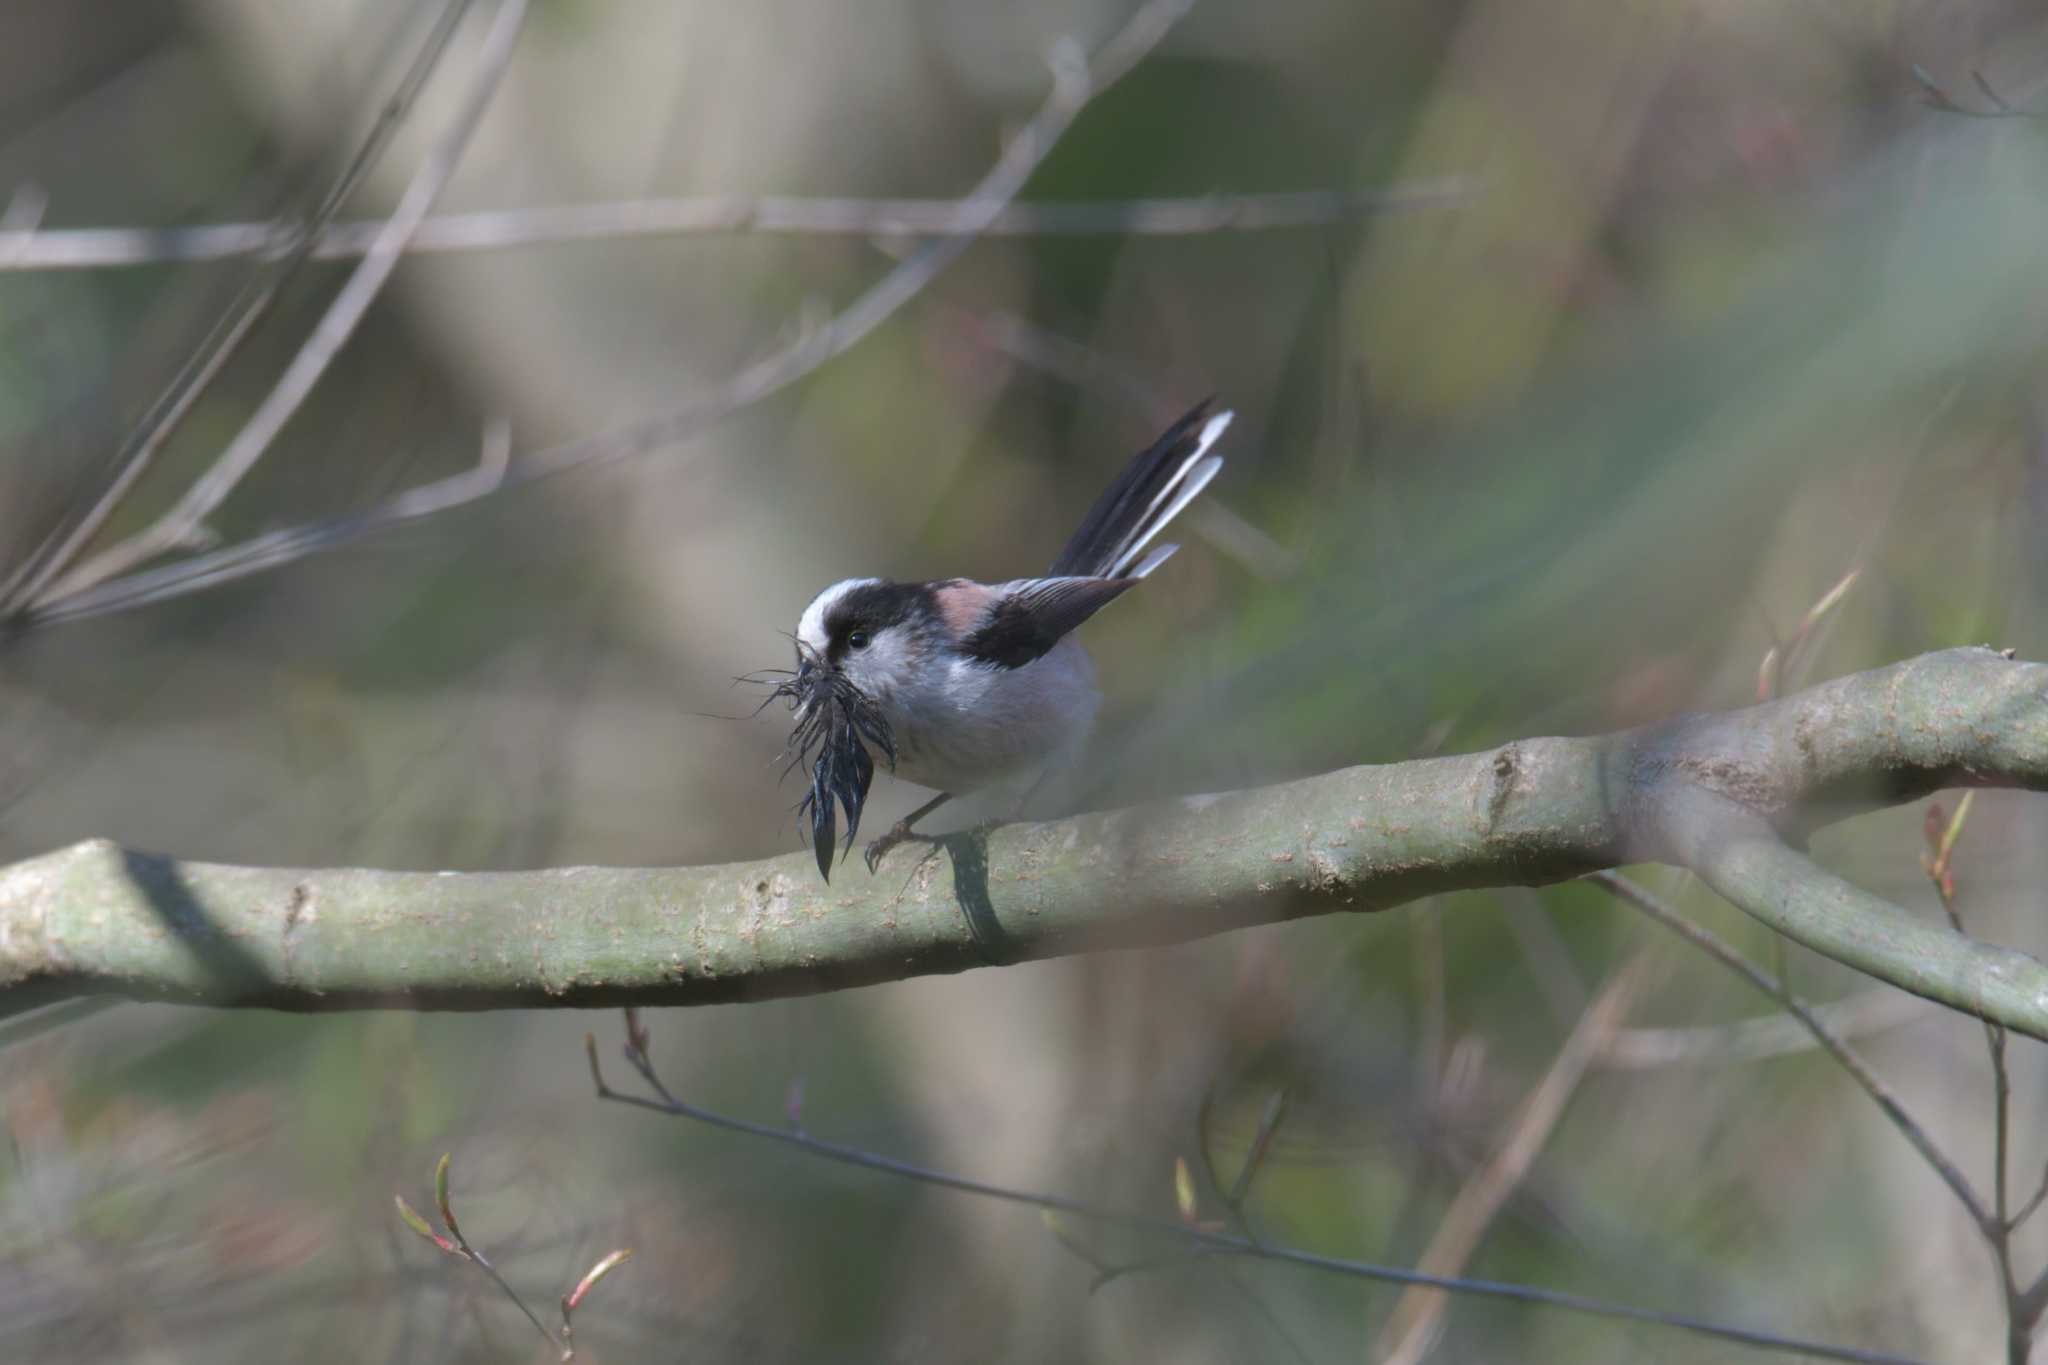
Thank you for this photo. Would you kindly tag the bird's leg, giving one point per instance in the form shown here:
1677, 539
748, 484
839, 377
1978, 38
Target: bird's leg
902, 832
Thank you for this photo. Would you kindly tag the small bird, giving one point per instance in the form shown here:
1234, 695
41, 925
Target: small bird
965, 686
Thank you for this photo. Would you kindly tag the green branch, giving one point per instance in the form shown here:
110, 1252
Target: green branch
1717, 793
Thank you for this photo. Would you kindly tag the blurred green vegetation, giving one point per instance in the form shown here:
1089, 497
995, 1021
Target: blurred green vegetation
1731, 311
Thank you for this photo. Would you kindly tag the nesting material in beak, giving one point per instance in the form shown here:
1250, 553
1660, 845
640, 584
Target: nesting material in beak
835, 723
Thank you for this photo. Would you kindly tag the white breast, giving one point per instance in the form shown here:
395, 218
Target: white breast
967, 726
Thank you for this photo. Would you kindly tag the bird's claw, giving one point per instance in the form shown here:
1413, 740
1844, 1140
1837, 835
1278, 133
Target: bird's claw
899, 833
873, 854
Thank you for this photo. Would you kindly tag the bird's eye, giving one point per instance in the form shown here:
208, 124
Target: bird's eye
857, 639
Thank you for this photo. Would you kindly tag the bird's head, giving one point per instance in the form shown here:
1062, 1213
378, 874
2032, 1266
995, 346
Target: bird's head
858, 643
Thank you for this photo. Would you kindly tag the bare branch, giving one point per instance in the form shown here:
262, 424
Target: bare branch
2033, 1203
1938, 98
1075, 83
98, 919
287, 248
174, 528
1417, 1318
1764, 1037
1631, 893
274, 549
1193, 1239
451, 1242
1750, 865
22, 247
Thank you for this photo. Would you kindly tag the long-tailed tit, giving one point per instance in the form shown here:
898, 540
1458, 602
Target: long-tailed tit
962, 685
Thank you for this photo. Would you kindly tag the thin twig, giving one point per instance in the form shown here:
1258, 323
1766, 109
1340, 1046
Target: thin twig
1938, 98
1194, 1237
1938, 863
505, 1286
274, 549
36, 1023
1270, 1118
1764, 1037
451, 1241
172, 529
24, 248
1075, 83
1415, 1321
288, 246
1792, 655
1715, 947
2034, 1202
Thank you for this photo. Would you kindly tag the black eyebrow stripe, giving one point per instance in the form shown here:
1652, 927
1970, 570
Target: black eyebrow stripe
879, 605
876, 606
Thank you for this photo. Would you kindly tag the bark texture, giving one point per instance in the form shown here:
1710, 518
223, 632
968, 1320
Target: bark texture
1731, 796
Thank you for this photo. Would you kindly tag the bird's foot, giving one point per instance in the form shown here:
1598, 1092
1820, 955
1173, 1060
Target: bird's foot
899, 833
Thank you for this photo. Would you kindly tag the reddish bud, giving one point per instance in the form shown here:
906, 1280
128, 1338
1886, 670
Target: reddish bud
420, 1226
441, 1198
574, 1298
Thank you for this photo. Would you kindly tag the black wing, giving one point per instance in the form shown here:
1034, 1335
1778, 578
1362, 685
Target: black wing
1152, 490
1034, 613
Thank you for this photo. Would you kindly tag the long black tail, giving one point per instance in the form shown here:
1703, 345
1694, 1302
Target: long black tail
1152, 490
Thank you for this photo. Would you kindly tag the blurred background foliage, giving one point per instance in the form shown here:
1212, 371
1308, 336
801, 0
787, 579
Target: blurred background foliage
1732, 310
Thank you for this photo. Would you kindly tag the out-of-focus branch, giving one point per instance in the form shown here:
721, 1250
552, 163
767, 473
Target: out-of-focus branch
1412, 1328
1632, 893
1994, 1222
291, 244
93, 591
450, 1241
26, 248
1763, 1038
176, 526
1193, 1238
1941, 831
1937, 97
97, 919
1076, 81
